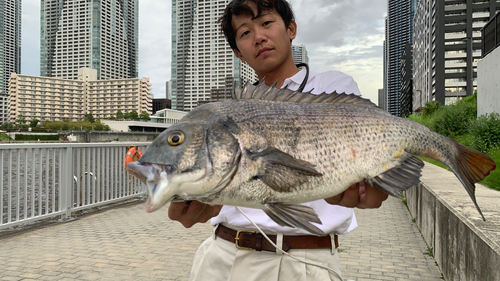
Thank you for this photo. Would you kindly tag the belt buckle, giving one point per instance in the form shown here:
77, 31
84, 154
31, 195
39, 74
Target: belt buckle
237, 239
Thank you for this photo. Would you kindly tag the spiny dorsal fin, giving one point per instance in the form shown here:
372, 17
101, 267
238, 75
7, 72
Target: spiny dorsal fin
263, 92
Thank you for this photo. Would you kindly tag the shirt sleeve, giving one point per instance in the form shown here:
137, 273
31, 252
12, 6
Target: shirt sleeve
340, 82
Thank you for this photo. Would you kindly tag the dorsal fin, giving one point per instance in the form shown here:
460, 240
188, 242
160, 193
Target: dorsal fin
263, 92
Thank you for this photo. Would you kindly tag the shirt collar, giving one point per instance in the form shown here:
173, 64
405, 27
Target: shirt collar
299, 77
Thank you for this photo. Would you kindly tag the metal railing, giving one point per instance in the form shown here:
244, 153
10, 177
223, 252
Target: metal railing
46, 180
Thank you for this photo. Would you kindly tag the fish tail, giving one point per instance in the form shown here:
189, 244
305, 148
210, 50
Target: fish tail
471, 166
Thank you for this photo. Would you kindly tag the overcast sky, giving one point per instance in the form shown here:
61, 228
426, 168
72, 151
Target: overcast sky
345, 35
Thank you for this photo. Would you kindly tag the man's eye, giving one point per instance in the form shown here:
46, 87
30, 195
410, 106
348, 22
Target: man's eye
266, 23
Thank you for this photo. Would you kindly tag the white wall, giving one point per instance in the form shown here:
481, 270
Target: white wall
488, 83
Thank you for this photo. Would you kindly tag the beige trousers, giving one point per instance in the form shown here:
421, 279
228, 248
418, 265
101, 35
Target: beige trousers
218, 259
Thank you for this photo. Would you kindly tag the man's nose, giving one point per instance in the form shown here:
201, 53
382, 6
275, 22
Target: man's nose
259, 36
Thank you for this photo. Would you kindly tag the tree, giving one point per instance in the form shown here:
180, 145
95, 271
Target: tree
89, 118
21, 120
119, 115
133, 115
144, 116
7, 126
33, 123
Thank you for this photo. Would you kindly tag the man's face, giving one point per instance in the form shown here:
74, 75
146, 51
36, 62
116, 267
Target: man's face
263, 42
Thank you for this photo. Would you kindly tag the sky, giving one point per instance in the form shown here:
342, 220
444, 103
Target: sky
344, 35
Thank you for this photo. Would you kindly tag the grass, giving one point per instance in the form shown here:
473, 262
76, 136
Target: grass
429, 252
5, 137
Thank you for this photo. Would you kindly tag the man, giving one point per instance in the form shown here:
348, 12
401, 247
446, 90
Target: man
260, 33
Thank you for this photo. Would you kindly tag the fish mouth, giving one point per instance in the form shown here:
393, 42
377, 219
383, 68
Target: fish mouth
163, 186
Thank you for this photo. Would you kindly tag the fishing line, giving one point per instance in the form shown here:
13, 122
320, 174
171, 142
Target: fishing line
287, 254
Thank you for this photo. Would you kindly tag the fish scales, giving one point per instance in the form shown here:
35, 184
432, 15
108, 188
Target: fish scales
325, 135
274, 155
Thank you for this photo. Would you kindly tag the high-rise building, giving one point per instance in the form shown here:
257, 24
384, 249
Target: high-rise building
10, 49
399, 31
101, 35
56, 99
299, 54
447, 47
406, 88
202, 61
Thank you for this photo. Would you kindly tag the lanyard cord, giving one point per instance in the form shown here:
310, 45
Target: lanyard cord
304, 82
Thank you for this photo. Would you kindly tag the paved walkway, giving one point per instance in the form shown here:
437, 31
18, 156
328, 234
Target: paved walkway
126, 243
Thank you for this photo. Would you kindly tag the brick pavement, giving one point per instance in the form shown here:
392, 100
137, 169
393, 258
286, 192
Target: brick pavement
126, 243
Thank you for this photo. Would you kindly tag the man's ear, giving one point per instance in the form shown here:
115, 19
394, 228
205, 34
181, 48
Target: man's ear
292, 29
239, 55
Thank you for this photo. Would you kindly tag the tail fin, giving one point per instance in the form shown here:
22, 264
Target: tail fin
472, 166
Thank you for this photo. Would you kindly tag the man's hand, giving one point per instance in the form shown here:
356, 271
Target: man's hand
188, 213
360, 195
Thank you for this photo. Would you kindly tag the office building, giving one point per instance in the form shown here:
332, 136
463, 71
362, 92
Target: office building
101, 35
406, 76
57, 99
488, 88
447, 48
399, 32
202, 60
160, 104
381, 98
299, 54
10, 49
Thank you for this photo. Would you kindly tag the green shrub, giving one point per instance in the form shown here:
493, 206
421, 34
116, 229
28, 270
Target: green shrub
485, 131
453, 120
21, 137
430, 108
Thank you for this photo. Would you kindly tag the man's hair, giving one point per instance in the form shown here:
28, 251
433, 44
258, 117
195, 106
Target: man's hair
239, 7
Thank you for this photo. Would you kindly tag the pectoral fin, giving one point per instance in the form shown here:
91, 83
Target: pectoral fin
281, 171
399, 178
298, 216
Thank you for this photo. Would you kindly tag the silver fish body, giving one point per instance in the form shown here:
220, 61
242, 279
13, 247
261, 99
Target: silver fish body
273, 149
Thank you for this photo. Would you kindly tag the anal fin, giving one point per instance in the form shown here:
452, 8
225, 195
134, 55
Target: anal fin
399, 178
298, 216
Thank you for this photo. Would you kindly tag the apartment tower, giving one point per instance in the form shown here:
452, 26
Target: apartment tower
299, 54
447, 47
203, 64
97, 34
399, 32
10, 49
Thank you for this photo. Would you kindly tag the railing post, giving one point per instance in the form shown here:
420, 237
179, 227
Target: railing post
67, 184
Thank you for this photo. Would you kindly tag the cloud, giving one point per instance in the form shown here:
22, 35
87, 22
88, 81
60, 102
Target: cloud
30, 37
346, 36
155, 43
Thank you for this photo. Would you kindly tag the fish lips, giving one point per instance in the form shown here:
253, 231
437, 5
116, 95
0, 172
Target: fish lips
155, 176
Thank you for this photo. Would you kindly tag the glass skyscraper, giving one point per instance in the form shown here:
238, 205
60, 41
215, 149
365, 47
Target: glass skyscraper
399, 31
98, 34
10, 49
204, 66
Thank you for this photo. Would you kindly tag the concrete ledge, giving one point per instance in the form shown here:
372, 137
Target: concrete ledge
465, 247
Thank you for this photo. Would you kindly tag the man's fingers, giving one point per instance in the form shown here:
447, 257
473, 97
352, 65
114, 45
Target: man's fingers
372, 197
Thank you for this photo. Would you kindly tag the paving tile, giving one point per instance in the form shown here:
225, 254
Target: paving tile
126, 243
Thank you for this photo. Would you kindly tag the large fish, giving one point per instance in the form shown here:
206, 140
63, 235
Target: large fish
274, 148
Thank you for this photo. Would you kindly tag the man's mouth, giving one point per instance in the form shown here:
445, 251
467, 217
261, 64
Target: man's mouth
264, 52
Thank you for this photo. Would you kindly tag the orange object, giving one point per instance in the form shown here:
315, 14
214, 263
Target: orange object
133, 154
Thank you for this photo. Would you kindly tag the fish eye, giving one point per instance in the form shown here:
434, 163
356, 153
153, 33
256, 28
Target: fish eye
176, 139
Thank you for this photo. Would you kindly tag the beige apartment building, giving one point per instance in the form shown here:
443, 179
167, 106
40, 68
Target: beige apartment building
55, 99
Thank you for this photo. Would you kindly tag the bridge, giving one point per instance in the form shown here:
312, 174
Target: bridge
70, 211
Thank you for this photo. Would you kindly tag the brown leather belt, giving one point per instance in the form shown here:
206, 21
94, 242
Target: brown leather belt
250, 240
